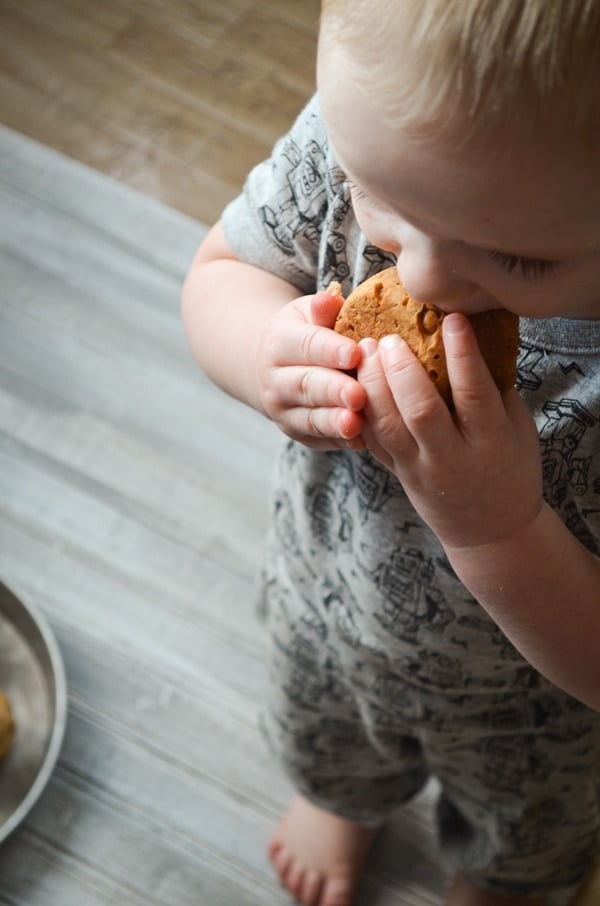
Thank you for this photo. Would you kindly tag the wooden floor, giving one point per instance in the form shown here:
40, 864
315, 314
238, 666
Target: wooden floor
132, 512
177, 98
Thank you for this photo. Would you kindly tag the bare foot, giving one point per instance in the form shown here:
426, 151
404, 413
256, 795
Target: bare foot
318, 856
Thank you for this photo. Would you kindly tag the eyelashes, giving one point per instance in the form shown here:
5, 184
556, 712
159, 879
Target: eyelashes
356, 190
527, 268
515, 265
358, 193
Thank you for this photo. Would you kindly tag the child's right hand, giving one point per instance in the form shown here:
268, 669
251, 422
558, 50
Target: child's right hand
302, 381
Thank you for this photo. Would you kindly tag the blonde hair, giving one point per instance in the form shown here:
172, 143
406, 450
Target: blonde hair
465, 65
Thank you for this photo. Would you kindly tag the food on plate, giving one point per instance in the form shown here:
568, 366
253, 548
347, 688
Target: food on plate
7, 727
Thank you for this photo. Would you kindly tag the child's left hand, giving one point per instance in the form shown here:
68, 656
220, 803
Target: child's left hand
474, 474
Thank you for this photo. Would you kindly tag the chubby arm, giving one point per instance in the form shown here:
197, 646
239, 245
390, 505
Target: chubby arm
543, 588
474, 475
273, 350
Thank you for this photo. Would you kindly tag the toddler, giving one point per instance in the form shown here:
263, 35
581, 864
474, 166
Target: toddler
431, 583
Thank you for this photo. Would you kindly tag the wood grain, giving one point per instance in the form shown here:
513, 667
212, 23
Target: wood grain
133, 506
176, 99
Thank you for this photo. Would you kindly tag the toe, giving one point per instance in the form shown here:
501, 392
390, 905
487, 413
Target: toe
305, 885
337, 892
274, 846
295, 880
312, 886
283, 862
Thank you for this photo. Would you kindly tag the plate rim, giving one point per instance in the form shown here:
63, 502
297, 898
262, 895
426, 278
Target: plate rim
56, 737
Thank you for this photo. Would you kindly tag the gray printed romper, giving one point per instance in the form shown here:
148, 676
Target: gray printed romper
384, 670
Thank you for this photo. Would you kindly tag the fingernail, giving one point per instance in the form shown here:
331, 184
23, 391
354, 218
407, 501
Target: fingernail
391, 342
368, 346
454, 323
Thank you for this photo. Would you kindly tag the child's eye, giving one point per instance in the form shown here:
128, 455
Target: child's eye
357, 193
528, 268
356, 190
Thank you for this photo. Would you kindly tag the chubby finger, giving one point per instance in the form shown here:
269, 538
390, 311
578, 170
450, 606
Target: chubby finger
384, 433
315, 387
325, 307
328, 424
311, 344
423, 411
474, 393
379, 400
351, 426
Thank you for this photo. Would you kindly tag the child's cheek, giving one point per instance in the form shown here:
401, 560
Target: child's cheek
378, 227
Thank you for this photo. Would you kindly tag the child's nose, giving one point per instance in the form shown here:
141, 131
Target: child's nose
428, 277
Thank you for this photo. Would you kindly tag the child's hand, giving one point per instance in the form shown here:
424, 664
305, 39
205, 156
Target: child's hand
474, 475
302, 385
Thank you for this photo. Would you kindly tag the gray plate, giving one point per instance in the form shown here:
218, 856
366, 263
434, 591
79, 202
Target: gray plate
32, 677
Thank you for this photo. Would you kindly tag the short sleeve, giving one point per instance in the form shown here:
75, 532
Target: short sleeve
277, 221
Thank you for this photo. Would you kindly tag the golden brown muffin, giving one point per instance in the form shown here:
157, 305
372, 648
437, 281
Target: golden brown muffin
7, 727
381, 306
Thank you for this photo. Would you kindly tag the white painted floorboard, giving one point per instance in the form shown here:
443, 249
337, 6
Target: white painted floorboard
132, 509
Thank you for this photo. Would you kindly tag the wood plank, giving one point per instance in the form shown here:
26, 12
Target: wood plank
305, 13
117, 124
179, 719
132, 507
247, 94
160, 791
144, 694
179, 630
142, 859
184, 418
178, 102
169, 498
41, 50
134, 291
37, 875
273, 43
142, 115
51, 185
89, 26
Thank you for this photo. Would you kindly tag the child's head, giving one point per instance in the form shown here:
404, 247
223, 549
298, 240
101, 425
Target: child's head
469, 66
471, 130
